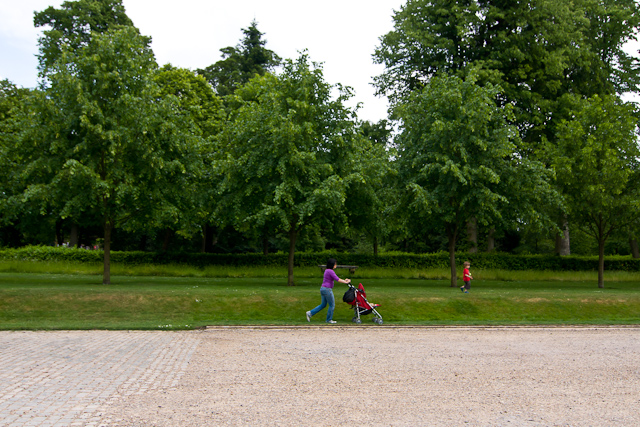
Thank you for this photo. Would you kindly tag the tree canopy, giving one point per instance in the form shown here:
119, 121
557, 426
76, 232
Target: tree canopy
74, 24
13, 115
490, 100
105, 144
536, 50
288, 153
457, 158
598, 164
241, 63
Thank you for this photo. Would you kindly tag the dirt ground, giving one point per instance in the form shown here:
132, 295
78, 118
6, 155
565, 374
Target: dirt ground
387, 376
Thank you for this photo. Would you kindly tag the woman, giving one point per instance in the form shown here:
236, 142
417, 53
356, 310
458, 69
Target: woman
326, 292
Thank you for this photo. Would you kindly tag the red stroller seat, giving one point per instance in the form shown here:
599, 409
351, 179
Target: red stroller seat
357, 298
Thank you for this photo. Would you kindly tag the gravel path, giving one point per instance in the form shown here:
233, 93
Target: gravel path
385, 376
68, 378
325, 376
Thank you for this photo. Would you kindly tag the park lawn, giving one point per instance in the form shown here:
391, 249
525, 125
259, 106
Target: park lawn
67, 302
366, 273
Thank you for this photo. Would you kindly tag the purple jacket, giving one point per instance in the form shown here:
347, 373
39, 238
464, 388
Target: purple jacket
329, 277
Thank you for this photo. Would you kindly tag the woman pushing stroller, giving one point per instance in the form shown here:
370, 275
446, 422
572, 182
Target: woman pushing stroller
326, 292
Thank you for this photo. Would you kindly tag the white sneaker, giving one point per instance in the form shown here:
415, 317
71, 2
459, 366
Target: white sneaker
308, 316
332, 321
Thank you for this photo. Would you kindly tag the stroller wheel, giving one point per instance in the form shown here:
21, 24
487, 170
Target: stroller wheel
377, 320
356, 320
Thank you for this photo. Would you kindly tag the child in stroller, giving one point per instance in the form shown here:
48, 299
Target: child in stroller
357, 298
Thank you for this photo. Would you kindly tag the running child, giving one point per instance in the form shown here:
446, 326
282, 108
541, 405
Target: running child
466, 278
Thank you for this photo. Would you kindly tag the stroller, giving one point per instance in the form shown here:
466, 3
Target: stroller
357, 298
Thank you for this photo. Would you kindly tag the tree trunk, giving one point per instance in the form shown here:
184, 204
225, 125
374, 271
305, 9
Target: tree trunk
293, 235
106, 275
563, 242
13, 236
213, 234
73, 236
472, 235
635, 250
265, 244
143, 243
452, 257
203, 247
59, 235
601, 262
491, 240
167, 238
209, 238
375, 245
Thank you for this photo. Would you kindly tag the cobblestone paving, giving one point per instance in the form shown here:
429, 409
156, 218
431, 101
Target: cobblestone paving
51, 379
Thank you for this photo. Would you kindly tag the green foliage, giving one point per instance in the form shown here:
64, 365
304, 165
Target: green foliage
104, 144
370, 202
197, 100
536, 50
289, 152
597, 163
13, 110
198, 104
111, 141
429, 37
241, 63
104, 140
11, 101
455, 146
458, 162
74, 25
612, 23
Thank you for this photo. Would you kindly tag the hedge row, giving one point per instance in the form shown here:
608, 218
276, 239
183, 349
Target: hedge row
498, 261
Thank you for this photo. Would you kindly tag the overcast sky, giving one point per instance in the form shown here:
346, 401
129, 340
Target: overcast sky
342, 34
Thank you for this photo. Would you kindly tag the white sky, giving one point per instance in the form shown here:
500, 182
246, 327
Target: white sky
342, 34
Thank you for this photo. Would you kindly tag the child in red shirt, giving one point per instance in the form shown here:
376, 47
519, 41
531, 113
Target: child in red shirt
466, 277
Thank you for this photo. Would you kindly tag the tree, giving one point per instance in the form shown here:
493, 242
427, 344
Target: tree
537, 51
197, 99
457, 158
608, 69
370, 203
74, 25
20, 222
105, 143
429, 37
11, 99
238, 65
288, 153
197, 104
597, 160
12, 105
241, 63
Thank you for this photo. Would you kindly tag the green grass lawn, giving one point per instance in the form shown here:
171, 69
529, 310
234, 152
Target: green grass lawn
172, 270
79, 301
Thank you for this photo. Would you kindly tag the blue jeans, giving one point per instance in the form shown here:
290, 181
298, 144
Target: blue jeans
327, 299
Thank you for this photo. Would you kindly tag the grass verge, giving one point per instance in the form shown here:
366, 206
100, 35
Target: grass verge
79, 301
174, 270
